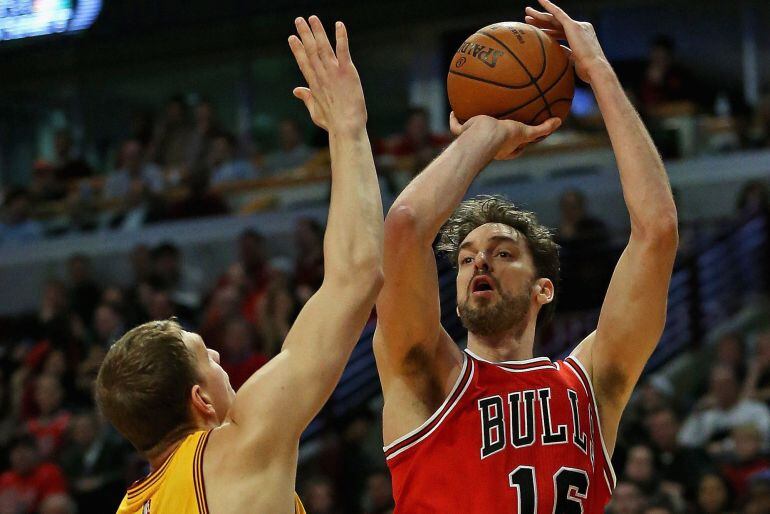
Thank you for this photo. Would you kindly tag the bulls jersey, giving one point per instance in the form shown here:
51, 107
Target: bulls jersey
177, 486
512, 437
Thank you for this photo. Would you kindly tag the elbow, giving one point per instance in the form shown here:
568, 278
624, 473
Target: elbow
402, 224
363, 275
662, 232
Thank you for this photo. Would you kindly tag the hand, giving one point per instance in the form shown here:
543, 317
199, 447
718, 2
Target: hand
586, 51
515, 136
334, 98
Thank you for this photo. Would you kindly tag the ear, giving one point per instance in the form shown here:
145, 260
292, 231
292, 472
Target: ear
544, 291
201, 402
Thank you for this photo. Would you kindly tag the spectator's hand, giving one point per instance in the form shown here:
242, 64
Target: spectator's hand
586, 51
335, 98
516, 135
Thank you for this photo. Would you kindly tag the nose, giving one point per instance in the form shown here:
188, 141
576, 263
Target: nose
480, 261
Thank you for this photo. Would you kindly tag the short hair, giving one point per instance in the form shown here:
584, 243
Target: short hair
144, 383
495, 209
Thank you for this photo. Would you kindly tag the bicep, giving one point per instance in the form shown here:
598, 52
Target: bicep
290, 389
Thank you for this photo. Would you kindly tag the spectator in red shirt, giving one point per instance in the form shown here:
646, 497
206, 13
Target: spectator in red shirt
747, 458
240, 359
29, 481
417, 141
50, 426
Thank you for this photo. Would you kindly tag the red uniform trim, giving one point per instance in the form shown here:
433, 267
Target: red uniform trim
198, 483
145, 483
577, 367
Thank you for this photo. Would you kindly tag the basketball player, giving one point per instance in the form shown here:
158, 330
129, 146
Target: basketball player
492, 429
212, 450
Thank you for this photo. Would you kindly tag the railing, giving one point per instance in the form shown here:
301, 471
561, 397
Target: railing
706, 288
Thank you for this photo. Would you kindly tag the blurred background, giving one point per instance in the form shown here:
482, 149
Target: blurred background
153, 163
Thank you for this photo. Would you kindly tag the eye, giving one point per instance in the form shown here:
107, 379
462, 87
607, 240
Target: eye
504, 254
466, 260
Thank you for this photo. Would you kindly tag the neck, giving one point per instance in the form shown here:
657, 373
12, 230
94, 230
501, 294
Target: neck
512, 345
163, 450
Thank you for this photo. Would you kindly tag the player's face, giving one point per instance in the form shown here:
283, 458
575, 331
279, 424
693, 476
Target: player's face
494, 280
215, 381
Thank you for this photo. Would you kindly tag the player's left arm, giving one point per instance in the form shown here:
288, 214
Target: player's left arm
634, 310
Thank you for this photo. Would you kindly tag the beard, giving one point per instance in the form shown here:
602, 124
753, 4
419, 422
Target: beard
489, 317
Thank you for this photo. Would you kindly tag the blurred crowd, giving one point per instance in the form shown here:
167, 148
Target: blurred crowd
184, 162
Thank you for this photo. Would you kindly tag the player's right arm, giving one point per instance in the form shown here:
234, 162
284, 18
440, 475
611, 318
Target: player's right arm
409, 331
277, 403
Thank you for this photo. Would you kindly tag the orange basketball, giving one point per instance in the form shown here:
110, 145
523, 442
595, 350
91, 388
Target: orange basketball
511, 71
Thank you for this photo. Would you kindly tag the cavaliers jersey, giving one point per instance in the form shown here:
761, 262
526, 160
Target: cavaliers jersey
177, 486
512, 437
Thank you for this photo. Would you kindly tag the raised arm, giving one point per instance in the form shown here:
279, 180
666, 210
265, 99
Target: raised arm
408, 314
278, 402
634, 310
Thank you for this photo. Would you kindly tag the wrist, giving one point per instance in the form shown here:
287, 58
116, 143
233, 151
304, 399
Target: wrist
347, 128
599, 70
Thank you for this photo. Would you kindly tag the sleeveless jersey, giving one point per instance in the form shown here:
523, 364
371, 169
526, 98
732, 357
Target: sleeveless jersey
177, 486
512, 437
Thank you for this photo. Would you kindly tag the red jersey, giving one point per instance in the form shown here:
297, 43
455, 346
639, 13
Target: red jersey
512, 437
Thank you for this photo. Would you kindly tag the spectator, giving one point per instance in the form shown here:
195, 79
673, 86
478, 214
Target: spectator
52, 421
318, 496
587, 261
83, 291
207, 128
626, 499
133, 171
173, 136
108, 324
240, 358
378, 497
223, 305
665, 80
29, 481
753, 200
276, 310
721, 410
757, 385
45, 185
760, 121
68, 165
309, 264
714, 495
183, 282
198, 200
731, 351
93, 463
417, 143
59, 504
746, 459
640, 469
674, 462
224, 164
292, 151
16, 225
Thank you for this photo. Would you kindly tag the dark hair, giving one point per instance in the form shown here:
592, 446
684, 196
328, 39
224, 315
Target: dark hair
144, 384
495, 209
665, 42
164, 249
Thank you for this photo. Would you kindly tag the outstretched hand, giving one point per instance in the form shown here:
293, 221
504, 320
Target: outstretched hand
334, 97
586, 51
516, 136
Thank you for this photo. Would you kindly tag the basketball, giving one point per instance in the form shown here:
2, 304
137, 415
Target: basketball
511, 71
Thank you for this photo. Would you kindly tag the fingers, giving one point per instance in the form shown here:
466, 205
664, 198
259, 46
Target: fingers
341, 35
311, 47
540, 19
300, 55
455, 127
555, 10
542, 130
567, 50
324, 47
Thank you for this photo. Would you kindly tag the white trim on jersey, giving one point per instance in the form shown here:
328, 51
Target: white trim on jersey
607, 458
435, 414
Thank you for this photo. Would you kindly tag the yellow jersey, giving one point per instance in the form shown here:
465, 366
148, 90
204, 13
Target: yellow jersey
177, 486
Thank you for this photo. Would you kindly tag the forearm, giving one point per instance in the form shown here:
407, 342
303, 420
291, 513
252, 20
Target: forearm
435, 193
642, 175
353, 238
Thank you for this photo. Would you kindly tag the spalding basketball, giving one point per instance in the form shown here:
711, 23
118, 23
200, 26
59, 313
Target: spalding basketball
511, 71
